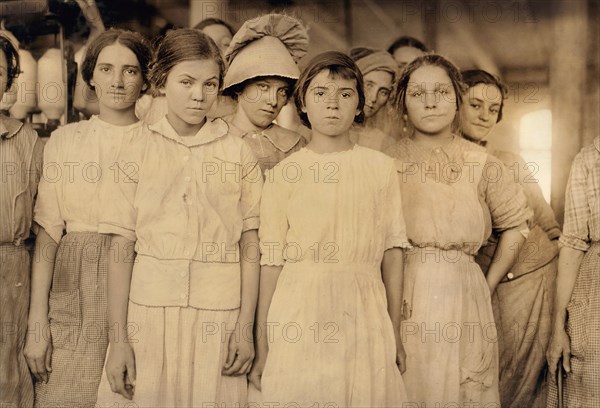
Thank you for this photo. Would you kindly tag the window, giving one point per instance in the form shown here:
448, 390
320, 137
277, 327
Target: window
536, 147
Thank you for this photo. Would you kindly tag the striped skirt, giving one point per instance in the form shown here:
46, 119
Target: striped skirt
16, 388
78, 322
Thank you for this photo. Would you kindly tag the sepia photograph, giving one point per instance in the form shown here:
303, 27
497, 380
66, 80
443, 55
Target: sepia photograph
300, 204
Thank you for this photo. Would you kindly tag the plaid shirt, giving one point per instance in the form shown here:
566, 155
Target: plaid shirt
582, 201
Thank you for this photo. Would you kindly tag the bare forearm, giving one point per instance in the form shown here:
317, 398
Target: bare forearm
506, 254
269, 275
41, 276
250, 269
568, 265
120, 267
393, 280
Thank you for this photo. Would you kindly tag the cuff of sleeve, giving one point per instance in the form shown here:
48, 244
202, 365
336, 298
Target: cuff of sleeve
573, 242
397, 242
251, 223
55, 233
105, 228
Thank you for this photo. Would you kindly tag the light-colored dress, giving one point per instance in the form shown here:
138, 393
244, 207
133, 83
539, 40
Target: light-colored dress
78, 159
452, 196
524, 299
21, 163
581, 231
327, 219
186, 209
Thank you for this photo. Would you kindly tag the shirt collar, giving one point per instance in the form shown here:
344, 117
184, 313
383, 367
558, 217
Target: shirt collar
282, 139
212, 130
9, 126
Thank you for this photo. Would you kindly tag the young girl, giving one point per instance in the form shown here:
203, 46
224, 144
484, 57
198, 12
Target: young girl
523, 299
379, 72
21, 161
576, 320
453, 193
331, 275
188, 300
69, 281
261, 75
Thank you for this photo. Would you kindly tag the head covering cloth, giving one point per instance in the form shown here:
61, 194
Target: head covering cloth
270, 45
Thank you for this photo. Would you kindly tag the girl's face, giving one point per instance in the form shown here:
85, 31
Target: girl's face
220, 35
430, 100
3, 73
405, 55
331, 104
191, 88
479, 113
262, 100
117, 78
378, 86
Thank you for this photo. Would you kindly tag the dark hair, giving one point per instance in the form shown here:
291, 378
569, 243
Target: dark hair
12, 61
132, 40
474, 77
214, 21
234, 90
339, 65
428, 60
406, 41
183, 44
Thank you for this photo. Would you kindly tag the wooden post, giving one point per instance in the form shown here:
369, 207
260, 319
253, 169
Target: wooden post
567, 87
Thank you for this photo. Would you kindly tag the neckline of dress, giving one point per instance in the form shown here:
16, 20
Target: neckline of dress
341, 152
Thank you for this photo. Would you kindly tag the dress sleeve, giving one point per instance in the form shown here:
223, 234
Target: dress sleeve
504, 197
393, 216
576, 233
47, 214
118, 214
543, 213
252, 184
274, 221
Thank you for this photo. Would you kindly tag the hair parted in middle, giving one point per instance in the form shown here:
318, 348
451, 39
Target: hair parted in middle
139, 45
339, 65
183, 44
428, 60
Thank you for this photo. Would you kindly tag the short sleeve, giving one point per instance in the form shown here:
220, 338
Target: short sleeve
393, 216
252, 184
118, 214
504, 197
47, 214
273, 215
576, 233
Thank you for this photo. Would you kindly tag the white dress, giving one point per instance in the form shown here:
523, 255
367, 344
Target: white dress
328, 218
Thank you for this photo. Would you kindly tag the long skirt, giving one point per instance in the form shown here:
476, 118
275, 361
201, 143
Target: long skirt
331, 340
179, 357
523, 313
16, 388
78, 322
449, 333
582, 385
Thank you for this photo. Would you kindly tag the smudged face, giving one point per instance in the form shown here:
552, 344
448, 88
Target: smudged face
378, 87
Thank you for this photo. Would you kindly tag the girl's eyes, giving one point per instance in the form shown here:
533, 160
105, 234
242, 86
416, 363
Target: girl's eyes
211, 85
283, 92
131, 72
263, 87
104, 69
384, 93
320, 93
346, 94
416, 94
186, 82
